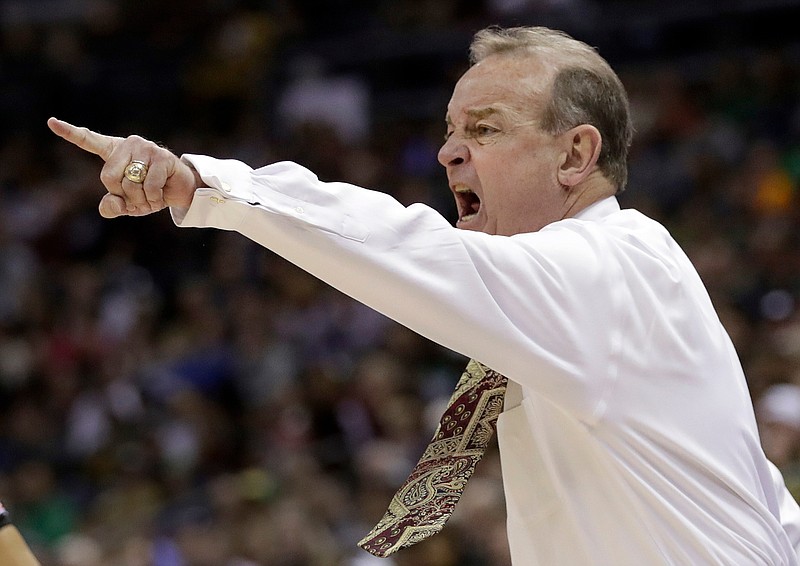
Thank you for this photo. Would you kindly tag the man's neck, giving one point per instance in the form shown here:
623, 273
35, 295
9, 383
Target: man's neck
595, 188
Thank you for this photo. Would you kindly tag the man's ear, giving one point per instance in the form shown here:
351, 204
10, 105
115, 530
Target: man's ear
582, 146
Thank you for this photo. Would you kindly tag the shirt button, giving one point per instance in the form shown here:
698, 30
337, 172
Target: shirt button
299, 209
226, 187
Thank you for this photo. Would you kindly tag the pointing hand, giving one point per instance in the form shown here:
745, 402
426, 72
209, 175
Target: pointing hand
141, 177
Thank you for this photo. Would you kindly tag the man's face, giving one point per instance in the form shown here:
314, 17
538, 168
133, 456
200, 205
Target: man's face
501, 167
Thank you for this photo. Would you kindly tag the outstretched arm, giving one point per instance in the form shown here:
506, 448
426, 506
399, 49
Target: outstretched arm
168, 181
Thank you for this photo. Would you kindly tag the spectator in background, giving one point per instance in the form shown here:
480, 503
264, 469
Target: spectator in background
778, 410
14, 551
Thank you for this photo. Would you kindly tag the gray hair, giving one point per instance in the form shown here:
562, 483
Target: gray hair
585, 89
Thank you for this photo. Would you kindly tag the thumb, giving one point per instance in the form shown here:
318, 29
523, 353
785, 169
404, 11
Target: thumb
112, 206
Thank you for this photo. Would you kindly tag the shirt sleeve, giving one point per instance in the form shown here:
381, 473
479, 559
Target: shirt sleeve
524, 305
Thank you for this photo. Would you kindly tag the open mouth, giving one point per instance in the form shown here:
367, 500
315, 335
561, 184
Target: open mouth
468, 203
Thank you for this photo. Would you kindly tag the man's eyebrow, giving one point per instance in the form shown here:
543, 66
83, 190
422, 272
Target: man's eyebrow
486, 111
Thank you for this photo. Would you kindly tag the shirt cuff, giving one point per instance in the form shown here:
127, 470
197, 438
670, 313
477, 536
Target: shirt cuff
230, 178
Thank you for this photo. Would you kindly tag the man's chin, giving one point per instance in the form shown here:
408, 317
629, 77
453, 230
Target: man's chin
474, 223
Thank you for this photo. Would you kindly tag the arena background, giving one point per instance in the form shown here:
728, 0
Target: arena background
184, 398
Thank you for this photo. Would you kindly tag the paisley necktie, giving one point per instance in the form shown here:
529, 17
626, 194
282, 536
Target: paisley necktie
424, 503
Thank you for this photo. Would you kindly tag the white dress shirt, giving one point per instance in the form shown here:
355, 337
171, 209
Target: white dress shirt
629, 438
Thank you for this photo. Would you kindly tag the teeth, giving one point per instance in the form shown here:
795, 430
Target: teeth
464, 190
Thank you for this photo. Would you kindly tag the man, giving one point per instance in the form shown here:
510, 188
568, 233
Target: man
628, 435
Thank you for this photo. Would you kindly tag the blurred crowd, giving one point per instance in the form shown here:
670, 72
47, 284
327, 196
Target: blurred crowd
175, 397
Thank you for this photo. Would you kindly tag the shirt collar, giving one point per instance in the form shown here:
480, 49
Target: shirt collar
599, 209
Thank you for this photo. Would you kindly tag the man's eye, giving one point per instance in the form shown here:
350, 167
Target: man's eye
483, 130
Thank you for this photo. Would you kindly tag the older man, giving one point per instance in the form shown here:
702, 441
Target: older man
628, 435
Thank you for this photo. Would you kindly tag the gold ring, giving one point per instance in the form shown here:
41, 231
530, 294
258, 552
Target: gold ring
136, 171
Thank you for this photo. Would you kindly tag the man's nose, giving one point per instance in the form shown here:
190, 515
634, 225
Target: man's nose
452, 152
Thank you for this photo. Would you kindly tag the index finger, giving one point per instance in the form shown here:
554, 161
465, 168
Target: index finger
84, 138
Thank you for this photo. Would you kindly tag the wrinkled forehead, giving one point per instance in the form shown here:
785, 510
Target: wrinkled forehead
520, 83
